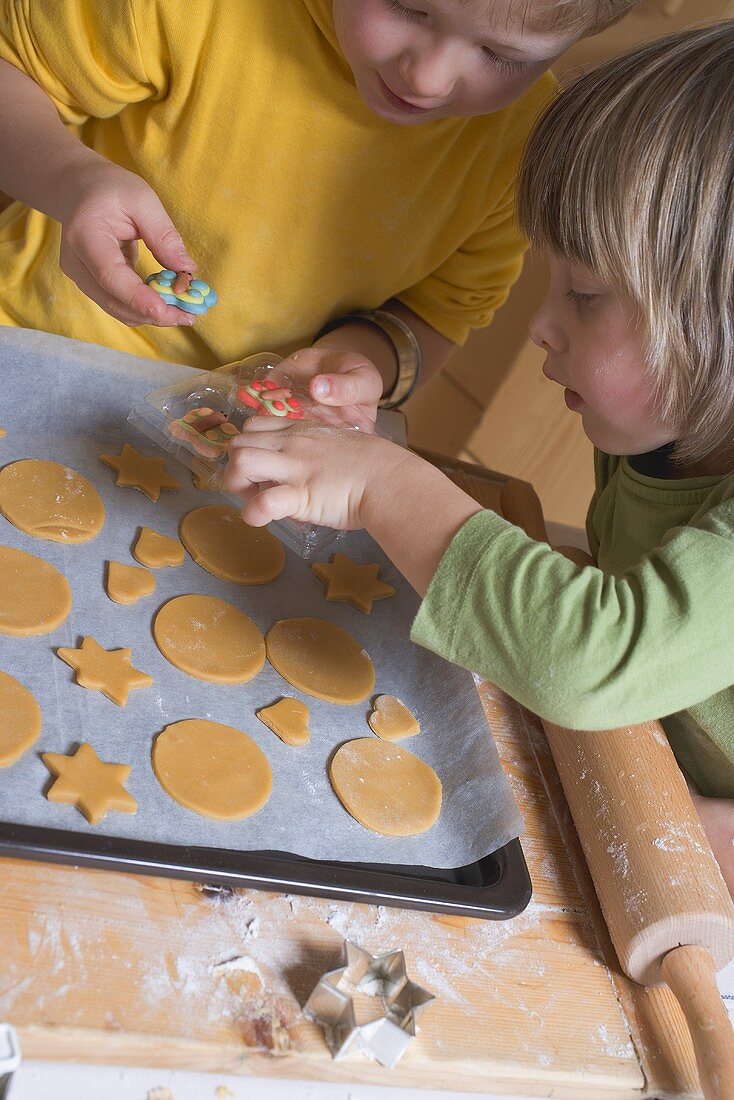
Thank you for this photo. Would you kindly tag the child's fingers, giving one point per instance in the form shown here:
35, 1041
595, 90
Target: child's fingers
275, 502
360, 385
255, 424
251, 466
120, 290
161, 236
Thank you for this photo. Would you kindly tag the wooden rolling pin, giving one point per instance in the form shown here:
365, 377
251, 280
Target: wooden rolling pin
666, 905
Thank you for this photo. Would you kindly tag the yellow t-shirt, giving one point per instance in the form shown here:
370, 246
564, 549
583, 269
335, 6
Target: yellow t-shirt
297, 202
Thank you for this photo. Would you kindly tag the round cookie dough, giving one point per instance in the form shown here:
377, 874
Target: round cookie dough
20, 720
50, 501
208, 638
34, 597
385, 788
320, 658
221, 542
212, 769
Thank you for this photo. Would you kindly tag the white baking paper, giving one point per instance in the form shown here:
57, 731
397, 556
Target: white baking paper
68, 401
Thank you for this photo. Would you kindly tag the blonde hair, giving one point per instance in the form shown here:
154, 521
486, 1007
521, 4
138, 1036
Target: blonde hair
631, 173
587, 17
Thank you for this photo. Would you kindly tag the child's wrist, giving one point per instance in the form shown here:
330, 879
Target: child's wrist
389, 478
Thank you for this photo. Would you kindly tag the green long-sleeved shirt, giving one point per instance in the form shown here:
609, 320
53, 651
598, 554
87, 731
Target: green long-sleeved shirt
646, 633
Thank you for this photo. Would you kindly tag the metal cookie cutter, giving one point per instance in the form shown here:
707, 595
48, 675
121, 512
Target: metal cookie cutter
398, 1000
9, 1058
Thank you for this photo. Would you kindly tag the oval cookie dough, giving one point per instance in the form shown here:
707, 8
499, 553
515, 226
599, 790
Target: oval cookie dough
212, 769
320, 658
50, 501
34, 597
221, 542
20, 720
208, 638
385, 788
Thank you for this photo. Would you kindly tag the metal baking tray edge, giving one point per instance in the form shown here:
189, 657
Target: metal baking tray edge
496, 887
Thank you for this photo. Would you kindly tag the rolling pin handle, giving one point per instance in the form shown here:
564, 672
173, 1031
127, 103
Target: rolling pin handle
690, 974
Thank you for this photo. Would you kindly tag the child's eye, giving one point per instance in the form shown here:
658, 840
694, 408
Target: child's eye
578, 298
506, 64
411, 14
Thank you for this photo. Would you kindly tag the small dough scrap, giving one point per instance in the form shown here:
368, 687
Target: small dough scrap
86, 782
288, 719
320, 658
157, 551
107, 670
2, 433
128, 583
138, 472
348, 582
391, 720
212, 769
50, 501
210, 639
221, 542
34, 597
385, 788
20, 720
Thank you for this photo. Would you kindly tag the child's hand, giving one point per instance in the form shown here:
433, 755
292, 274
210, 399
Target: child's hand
345, 384
107, 210
307, 471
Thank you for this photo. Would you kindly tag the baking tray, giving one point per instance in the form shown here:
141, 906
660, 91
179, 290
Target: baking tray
496, 887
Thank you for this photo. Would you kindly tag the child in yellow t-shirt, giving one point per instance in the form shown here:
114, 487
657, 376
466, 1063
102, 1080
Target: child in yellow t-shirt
317, 157
627, 185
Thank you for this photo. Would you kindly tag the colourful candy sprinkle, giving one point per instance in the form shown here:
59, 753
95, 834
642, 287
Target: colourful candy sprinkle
199, 298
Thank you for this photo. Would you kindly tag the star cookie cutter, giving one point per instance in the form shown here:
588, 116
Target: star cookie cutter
197, 297
384, 1038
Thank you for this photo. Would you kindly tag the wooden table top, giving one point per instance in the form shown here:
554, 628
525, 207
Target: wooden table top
106, 967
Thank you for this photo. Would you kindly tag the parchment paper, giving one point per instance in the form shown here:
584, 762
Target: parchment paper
68, 401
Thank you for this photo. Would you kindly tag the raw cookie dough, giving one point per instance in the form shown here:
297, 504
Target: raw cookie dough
156, 550
212, 769
34, 597
288, 719
128, 583
391, 720
50, 501
320, 658
221, 542
107, 670
208, 638
88, 783
20, 720
349, 582
138, 472
385, 788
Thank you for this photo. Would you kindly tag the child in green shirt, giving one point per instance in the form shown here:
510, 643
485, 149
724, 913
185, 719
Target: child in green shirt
627, 184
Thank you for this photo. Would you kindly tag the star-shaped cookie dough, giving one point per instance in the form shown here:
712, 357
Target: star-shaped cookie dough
86, 782
138, 472
107, 670
352, 583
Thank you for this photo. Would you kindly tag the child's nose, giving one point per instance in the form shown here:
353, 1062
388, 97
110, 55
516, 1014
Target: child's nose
429, 74
542, 331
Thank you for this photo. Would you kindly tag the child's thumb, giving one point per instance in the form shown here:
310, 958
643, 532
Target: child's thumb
160, 235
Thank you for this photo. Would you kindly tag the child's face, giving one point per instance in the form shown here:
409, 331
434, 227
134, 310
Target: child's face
419, 60
594, 339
